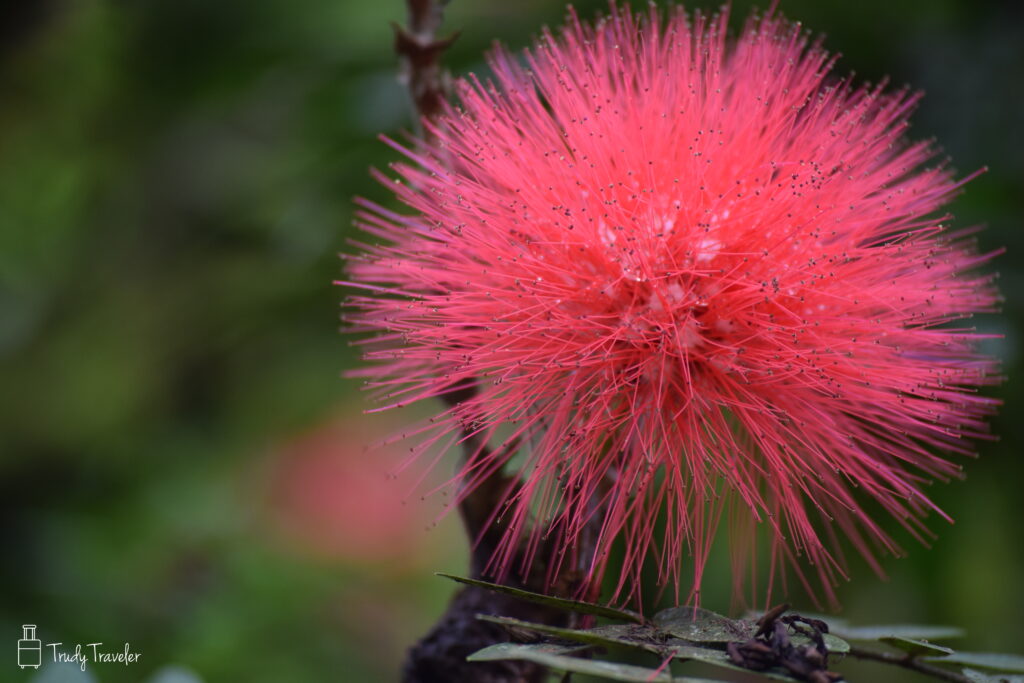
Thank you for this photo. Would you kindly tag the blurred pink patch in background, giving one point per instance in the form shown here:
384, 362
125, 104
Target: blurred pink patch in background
332, 495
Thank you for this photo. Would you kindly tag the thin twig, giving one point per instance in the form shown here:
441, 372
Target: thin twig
428, 85
426, 81
421, 50
907, 662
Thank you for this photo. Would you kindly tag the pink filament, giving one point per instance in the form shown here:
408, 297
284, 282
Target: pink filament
694, 280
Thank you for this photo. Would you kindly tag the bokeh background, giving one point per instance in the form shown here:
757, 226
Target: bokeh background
182, 467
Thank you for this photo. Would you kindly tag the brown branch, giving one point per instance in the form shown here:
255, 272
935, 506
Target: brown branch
421, 52
441, 654
907, 661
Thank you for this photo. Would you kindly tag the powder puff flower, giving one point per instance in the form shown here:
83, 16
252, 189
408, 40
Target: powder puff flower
697, 283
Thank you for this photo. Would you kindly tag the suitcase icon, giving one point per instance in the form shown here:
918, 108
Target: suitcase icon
30, 650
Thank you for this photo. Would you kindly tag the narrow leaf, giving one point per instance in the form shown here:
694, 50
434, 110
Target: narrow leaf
916, 647
617, 635
698, 653
983, 660
637, 637
545, 656
911, 631
699, 625
502, 651
562, 603
980, 677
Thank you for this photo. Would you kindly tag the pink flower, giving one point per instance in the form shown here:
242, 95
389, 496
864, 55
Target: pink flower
692, 278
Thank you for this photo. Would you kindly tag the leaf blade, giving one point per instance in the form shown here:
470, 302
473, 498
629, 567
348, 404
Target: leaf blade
699, 625
577, 606
915, 647
612, 671
605, 636
911, 631
992, 661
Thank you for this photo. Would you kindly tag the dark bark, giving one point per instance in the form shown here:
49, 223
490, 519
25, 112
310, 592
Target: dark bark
440, 656
420, 50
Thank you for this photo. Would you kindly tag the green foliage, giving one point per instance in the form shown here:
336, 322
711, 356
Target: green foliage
691, 634
557, 659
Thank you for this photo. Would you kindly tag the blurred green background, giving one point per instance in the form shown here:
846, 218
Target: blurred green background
181, 467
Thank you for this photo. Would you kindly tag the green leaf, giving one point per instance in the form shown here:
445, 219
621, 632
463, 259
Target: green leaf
700, 654
663, 638
699, 625
617, 635
501, 651
916, 647
646, 638
983, 660
910, 631
562, 603
631, 636
553, 659
979, 677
